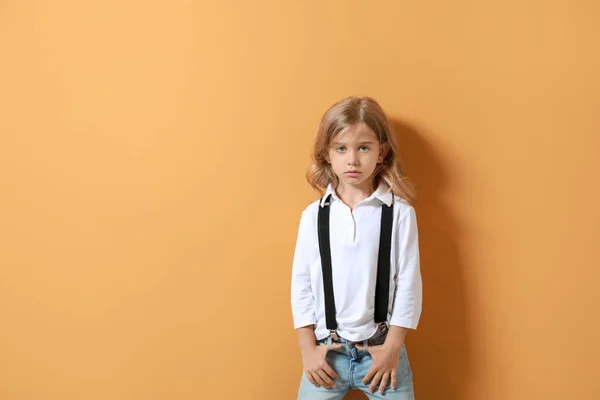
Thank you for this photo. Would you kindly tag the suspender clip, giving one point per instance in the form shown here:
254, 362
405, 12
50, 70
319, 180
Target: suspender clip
334, 335
383, 326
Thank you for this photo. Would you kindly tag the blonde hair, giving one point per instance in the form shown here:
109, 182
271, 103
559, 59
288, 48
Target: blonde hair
344, 114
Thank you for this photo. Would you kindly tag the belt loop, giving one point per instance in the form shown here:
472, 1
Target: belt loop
329, 343
366, 345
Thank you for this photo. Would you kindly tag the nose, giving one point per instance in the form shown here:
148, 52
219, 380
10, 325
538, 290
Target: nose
352, 158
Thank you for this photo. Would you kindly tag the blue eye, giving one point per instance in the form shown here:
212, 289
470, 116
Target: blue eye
341, 148
364, 147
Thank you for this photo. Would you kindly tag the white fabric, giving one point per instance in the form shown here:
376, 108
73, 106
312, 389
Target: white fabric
354, 250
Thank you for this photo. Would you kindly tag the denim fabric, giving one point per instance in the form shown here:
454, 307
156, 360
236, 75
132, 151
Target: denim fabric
352, 364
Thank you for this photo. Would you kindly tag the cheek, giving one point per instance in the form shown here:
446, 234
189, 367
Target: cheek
334, 157
372, 157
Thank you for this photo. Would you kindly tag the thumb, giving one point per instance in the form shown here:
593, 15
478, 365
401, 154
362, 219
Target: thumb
336, 346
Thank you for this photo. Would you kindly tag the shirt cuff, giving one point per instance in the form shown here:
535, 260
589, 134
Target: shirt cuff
304, 320
404, 323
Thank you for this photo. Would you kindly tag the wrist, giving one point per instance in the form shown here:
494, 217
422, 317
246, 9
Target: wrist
392, 345
306, 338
395, 337
307, 348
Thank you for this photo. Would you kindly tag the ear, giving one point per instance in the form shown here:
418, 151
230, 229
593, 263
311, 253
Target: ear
326, 156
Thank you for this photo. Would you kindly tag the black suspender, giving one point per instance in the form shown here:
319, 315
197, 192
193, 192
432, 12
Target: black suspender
382, 286
325, 250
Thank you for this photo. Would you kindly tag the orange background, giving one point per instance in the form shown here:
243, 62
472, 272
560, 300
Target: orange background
152, 162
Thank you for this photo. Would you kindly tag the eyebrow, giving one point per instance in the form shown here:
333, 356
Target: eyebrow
363, 142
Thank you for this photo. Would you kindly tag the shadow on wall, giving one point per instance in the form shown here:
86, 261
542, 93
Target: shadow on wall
439, 350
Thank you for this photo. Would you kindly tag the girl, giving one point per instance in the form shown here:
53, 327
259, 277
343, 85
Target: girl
356, 283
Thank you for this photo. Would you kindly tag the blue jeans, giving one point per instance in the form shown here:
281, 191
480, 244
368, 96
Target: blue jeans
352, 364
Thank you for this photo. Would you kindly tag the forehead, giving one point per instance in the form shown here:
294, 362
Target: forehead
356, 133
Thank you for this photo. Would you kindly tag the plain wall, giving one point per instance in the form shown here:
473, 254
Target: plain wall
152, 161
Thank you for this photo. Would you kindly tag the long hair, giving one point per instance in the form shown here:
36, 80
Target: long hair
344, 114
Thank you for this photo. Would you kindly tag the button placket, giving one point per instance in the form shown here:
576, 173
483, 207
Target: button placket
350, 229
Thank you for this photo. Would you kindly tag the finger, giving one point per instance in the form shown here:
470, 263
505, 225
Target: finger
369, 376
318, 379
329, 371
328, 381
394, 378
360, 347
311, 379
336, 346
384, 381
375, 381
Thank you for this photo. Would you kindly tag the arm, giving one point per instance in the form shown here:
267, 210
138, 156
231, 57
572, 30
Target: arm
408, 293
301, 294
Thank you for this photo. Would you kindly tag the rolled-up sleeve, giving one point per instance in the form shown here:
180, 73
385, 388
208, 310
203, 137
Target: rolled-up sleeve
302, 297
408, 294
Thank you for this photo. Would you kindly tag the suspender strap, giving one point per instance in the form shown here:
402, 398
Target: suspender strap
382, 286
325, 250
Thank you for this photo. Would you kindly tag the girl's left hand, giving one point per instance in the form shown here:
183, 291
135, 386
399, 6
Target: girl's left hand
384, 366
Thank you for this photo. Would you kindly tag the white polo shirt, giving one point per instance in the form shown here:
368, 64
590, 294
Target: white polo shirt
354, 237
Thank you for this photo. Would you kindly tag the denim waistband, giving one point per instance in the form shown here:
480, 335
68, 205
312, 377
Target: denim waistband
377, 339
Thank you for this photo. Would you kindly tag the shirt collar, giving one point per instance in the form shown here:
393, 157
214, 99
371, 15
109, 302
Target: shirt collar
382, 193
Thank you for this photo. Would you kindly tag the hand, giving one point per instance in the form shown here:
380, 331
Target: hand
317, 370
384, 366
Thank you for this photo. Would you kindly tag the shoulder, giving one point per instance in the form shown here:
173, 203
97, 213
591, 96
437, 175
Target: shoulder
309, 214
403, 208
311, 210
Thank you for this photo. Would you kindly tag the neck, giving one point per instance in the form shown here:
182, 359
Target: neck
351, 195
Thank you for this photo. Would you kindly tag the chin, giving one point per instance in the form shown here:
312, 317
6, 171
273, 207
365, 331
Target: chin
353, 182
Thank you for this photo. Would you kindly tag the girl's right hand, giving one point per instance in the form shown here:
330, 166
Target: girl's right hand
316, 368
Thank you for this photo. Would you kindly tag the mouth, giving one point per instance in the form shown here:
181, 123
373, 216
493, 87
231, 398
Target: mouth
352, 173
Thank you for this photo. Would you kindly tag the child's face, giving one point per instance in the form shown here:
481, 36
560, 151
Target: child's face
354, 155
